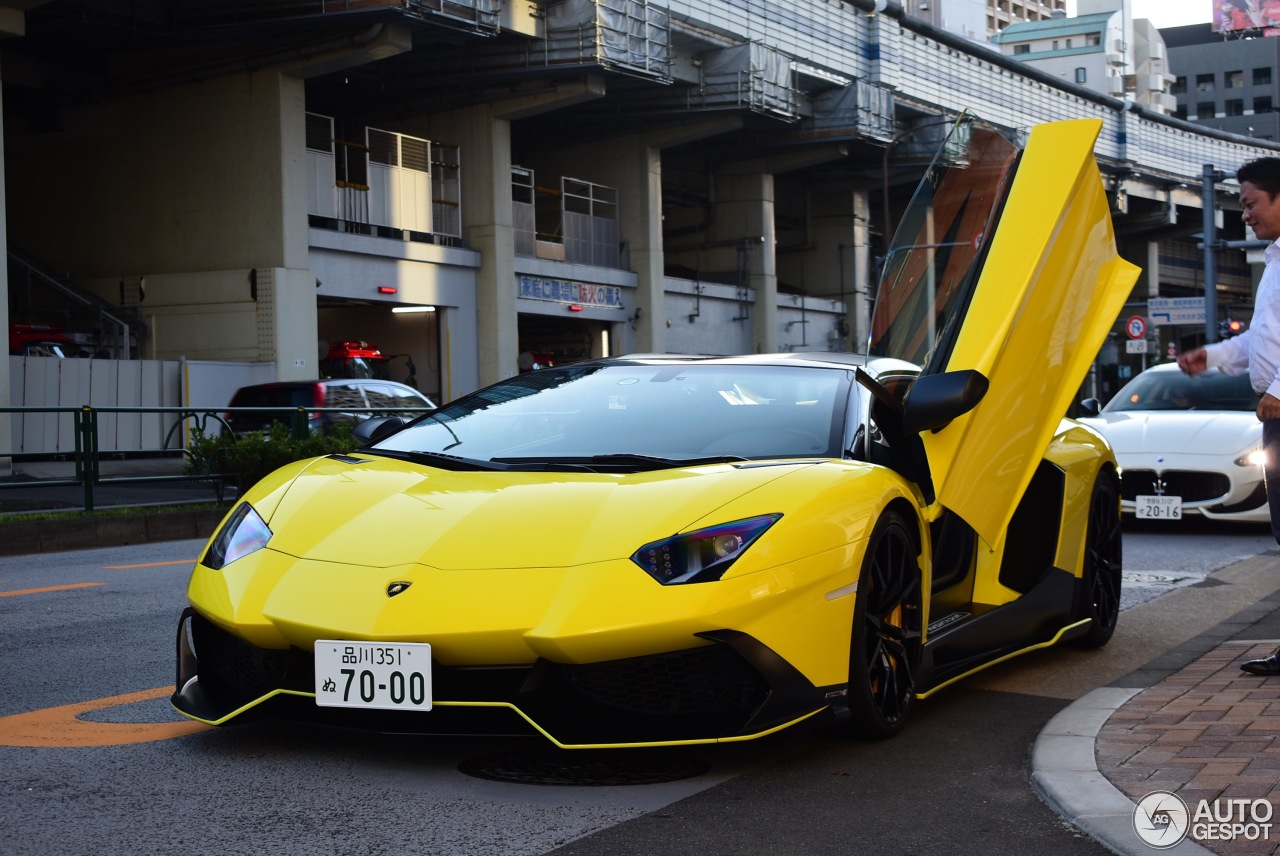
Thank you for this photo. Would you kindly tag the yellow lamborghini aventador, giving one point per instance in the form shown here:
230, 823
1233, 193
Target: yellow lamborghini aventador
661, 549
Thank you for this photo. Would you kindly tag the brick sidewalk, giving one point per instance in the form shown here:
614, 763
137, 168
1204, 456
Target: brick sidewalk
1208, 731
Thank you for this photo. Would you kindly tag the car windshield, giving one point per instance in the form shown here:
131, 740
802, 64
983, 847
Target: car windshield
933, 262
1169, 390
632, 412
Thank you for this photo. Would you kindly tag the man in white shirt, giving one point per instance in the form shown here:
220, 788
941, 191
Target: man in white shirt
1257, 350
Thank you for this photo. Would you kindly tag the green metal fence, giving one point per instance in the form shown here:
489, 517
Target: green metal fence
88, 453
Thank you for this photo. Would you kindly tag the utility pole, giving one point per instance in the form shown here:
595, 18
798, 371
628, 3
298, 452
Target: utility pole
1210, 244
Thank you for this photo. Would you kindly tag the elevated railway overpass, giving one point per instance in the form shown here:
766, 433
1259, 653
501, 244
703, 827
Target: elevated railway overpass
252, 177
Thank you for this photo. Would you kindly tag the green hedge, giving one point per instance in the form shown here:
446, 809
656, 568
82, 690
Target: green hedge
241, 462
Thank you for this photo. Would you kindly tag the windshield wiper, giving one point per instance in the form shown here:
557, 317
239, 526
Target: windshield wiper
628, 458
435, 459
587, 463
621, 460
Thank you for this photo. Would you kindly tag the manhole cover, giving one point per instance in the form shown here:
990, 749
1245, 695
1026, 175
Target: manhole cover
1149, 578
586, 767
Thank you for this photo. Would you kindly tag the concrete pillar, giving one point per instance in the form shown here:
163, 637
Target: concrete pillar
487, 223
863, 274
838, 267
639, 183
1147, 287
631, 165
1151, 268
744, 237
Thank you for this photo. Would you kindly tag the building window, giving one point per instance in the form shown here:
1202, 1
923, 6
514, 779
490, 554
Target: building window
1262, 76
1233, 107
1180, 112
1093, 39
1232, 79
1204, 110
1262, 104
1055, 44
1179, 85
1068, 44
1081, 75
1021, 49
1204, 82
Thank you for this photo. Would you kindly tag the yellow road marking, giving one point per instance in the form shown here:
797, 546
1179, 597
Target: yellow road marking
149, 565
49, 588
63, 727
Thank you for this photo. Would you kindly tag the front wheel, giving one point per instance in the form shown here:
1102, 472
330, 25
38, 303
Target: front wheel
1098, 596
884, 650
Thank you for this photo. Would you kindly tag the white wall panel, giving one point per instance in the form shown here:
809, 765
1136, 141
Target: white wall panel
128, 426
73, 383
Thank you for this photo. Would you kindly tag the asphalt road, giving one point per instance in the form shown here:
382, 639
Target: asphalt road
88, 769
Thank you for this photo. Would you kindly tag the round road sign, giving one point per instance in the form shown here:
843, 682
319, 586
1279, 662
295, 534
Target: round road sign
1136, 327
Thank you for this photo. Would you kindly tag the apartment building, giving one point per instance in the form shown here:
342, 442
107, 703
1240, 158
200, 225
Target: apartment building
1104, 51
980, 19
1004, 13
1228, 81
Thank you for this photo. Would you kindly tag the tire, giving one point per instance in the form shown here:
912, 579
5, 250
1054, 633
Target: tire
1098, 594
884, 647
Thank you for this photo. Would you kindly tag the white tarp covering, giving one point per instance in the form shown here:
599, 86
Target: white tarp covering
483, 14
859, 109
626, 35
750, 75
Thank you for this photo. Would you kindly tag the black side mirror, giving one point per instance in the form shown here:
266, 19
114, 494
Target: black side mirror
934, 400
1090, 407
372, 430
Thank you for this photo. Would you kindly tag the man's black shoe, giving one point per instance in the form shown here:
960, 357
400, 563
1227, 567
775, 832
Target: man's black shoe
1265, 666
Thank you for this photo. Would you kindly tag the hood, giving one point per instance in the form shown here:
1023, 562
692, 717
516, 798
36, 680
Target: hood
385, 512
1185, 432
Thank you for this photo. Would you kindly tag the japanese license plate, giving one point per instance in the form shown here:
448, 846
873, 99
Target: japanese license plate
1158, 507
389, 676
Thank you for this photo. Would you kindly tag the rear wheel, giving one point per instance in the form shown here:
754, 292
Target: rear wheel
885, 641
1098, 597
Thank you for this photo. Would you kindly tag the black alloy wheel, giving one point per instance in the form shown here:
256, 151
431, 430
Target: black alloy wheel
885, 644
1098, 596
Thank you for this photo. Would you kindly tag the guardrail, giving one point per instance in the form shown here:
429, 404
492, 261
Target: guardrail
87, 453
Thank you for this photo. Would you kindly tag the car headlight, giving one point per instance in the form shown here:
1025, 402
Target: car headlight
1255, 458
243, 533
702, 556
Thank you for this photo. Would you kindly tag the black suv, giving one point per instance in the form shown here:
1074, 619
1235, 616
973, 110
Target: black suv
358, 394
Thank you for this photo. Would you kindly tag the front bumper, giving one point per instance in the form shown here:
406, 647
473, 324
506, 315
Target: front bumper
728, 687
1213, 494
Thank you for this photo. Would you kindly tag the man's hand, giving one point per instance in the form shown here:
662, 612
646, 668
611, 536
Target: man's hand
1269, 407
1195, 361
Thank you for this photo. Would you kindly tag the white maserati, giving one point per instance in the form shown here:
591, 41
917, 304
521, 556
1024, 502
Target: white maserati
1186, 445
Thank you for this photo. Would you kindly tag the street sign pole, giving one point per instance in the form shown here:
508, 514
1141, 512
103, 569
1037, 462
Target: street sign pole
1209, 241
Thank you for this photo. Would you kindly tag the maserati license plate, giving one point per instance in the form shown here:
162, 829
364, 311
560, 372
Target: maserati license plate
1158, 507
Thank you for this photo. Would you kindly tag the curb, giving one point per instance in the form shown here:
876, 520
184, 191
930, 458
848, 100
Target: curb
19, 538
1064, 771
